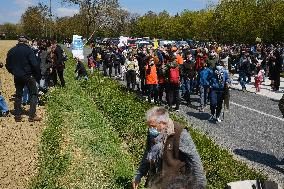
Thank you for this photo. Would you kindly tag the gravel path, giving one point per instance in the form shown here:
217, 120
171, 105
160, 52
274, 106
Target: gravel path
18, 141
252, 130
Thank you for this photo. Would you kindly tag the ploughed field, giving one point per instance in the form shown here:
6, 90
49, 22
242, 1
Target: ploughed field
18, 141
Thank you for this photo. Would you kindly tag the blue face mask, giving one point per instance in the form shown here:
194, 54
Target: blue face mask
154, 132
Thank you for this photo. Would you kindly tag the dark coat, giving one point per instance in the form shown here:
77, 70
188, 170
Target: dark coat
81, 70
59, 59
45, 62
22, 63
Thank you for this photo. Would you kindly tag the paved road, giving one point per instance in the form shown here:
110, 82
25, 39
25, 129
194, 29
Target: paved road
252, 130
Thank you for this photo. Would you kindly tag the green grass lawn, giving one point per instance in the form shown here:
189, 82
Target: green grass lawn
96, 133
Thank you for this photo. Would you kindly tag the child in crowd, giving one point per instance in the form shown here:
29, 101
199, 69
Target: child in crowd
91, 63
80, 70
258, 78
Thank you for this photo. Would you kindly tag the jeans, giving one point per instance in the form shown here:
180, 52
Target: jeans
25, 98
20, 83
216, 99
173, 98
242, 79
56, 72
203, 95
152, 90
3, 105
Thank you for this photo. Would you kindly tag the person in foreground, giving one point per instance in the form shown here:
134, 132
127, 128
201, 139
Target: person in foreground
170, 160
21, 62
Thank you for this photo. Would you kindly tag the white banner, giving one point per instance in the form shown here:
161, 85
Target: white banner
77, 47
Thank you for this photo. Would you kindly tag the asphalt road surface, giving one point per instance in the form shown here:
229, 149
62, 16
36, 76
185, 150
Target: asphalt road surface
253, 130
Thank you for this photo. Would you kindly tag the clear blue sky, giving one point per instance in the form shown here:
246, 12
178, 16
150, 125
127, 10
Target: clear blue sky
11, 10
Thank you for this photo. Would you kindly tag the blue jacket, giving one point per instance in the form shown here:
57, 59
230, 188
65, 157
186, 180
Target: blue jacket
203, 76
218, 78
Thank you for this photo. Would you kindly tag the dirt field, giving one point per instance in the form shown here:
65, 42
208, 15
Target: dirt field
18, 141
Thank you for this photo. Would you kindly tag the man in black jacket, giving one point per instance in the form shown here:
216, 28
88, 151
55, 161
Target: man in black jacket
22, 64
58, 64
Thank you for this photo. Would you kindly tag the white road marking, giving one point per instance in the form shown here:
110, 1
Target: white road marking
281, 119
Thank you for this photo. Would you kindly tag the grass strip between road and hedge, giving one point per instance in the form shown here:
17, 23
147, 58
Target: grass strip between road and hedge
126, 112
95, 137
79, 148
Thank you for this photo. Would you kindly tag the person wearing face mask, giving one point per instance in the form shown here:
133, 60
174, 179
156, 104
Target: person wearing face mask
170, 159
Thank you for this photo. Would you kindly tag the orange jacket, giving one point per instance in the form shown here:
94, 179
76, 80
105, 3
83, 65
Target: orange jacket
151, 75
179, 59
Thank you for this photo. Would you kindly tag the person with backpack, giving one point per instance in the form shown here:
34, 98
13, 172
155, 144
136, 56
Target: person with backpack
173, 78
58, 65
21, 62
151, 79
203, 83
170, 158
218, 81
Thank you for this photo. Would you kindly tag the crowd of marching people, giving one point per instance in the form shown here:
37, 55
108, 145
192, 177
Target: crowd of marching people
169, 74
166, 74
36, 65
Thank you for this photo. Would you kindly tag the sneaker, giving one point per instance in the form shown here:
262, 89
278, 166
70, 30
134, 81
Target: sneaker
5, 114
218, 120
177, 110
35, 119
211, 118
18, 118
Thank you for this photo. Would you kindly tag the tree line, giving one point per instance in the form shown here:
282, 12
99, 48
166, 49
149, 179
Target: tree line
229, 21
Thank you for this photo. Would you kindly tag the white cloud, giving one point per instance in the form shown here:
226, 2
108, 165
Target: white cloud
24, 3
62, 11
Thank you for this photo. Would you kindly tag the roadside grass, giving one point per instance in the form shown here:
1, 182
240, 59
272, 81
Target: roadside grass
126, 112
95, 138
79, 149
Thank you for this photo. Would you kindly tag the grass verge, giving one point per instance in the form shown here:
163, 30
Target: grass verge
79, 149
126, 113
96, 135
